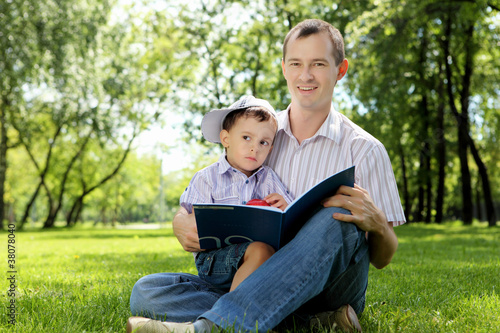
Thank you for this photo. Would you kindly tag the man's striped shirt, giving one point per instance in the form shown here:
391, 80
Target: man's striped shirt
337, 145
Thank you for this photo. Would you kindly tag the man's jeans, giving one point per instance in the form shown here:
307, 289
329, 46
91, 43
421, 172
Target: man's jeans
324, 267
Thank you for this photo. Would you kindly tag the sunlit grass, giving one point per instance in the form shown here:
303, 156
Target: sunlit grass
444, 278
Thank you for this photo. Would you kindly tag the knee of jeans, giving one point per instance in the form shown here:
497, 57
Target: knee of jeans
135, 301
138, 296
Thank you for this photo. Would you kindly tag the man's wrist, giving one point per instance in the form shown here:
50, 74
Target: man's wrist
381, 225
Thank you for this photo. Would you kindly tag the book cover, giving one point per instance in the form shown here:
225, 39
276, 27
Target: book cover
220, 225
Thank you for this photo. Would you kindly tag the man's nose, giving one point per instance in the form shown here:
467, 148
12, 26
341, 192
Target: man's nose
306, 75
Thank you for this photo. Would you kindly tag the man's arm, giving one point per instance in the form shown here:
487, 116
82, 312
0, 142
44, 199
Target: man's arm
185, 230
382, 240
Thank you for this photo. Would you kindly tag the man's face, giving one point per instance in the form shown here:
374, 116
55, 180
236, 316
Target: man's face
311, 72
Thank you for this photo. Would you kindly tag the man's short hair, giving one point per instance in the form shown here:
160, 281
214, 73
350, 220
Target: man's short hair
315, 26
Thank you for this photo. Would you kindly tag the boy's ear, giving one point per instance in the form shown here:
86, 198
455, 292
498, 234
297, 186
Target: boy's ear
224, 136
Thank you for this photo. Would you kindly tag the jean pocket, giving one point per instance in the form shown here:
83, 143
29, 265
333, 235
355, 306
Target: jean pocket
204, 263
214, 268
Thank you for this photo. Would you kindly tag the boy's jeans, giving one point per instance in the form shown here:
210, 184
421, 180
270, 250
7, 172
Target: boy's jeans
324, 267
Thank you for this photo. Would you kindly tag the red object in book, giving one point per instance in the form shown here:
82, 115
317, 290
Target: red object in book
257, 202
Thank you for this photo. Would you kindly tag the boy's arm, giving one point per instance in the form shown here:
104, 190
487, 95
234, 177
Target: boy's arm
184, 226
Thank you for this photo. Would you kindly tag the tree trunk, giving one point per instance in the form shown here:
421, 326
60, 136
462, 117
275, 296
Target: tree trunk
50, 221
479, 214
464, 101
72, 217
3, 158
462, 130
29, 205
426, 154
441, 154
425, 180
406, 195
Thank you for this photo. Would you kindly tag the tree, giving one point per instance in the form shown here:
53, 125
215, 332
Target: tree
90, 90
464, 17
392, 41
20, 56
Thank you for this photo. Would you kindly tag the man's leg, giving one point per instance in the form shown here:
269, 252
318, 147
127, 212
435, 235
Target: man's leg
318, 255
173, 297
348, 288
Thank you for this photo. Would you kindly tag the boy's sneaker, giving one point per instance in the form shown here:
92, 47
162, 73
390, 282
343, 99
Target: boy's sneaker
344, 319
146, 325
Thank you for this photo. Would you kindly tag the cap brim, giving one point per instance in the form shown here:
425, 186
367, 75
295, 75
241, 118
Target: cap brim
211, 125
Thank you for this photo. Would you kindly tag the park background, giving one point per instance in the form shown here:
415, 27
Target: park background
101, 105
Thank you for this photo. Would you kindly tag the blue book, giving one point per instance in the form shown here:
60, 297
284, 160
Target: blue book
221, 225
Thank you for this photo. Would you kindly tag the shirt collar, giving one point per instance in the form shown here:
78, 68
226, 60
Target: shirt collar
224, 167
329, 129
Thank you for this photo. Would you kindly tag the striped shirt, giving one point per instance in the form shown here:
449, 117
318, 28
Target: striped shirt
337, 145
223, 184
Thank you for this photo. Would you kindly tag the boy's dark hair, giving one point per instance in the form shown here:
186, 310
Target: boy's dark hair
315, 26
257, 112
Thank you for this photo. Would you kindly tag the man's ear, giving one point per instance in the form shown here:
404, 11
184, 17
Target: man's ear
224, 136
283, 66
342, 69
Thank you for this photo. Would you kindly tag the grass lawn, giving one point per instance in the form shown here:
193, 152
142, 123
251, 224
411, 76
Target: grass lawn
444, 278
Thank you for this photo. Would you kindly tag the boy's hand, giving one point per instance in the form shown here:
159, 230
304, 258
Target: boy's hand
276, 200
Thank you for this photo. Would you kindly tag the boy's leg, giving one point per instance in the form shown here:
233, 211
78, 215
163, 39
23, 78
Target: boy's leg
219, 266
173, 297
182, 297
322, 251
255, 255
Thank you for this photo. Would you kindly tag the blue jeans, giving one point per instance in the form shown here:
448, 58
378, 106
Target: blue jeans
324, 267
219, 266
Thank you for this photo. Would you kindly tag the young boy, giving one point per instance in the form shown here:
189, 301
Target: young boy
246, 130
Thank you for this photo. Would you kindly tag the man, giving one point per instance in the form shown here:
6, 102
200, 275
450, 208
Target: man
321, 276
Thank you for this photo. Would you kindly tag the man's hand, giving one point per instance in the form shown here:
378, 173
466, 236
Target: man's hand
365, 214
185, 230
368, 217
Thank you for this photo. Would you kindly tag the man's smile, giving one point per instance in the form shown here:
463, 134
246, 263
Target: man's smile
306, 88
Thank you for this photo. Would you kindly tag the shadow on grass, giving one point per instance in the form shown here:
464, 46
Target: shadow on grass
62, 233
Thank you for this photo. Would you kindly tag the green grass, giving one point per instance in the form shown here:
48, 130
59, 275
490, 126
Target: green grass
444, 278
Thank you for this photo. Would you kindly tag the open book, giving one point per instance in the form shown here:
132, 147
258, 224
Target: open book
220, 225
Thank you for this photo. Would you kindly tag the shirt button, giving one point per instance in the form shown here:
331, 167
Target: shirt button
246, 182
243, 202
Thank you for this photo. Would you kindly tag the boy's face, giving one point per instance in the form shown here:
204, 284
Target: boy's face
311, 72
248, 143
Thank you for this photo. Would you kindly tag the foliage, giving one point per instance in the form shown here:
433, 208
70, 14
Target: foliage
69, 278
80, 81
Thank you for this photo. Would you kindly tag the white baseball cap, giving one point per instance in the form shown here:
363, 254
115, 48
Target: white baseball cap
212, 122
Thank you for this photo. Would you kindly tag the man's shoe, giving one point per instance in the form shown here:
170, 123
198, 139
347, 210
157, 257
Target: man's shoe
146, 325
344, 319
